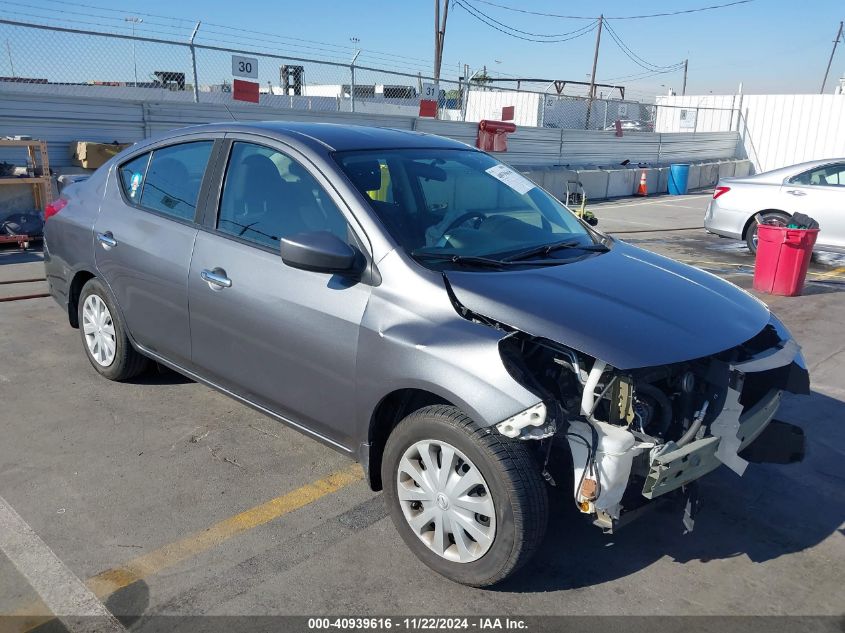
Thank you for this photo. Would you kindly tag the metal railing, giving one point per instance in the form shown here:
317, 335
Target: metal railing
61, 60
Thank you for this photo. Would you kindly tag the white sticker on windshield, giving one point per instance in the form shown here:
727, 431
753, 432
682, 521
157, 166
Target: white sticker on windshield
512, 179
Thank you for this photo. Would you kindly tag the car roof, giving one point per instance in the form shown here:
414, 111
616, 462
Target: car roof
777, 175
333, 136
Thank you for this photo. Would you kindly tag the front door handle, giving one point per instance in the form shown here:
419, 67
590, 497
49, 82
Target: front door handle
796, 192
216, 278
106, 240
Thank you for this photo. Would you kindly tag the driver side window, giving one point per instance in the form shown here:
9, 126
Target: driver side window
267, 196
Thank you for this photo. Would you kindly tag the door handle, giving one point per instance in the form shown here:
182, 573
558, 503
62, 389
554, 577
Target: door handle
796, 192
106, 240
216, 278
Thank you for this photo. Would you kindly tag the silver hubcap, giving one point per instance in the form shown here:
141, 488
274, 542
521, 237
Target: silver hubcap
446, 501
99, 330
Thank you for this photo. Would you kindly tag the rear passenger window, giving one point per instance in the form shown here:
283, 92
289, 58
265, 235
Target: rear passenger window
132, 176
173, 179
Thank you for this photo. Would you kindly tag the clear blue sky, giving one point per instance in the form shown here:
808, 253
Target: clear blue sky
772, 46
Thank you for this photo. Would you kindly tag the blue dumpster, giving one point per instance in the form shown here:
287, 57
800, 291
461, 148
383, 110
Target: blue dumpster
678, 178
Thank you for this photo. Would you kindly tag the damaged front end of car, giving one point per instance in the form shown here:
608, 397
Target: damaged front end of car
639, 434
645, 395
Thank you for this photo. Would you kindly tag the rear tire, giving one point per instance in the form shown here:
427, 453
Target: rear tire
104, 337
500, 477
751, 233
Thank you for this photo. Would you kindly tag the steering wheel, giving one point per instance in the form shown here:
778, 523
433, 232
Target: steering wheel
463, 218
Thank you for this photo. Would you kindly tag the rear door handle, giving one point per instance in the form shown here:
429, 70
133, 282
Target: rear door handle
796, 192
106, 240
216, 278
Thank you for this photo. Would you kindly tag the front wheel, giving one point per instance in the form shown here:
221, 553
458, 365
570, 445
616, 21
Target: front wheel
469, 503
751, 234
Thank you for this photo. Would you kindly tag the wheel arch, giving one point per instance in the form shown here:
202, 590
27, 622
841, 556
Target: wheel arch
754, 215
390, 410
80, 278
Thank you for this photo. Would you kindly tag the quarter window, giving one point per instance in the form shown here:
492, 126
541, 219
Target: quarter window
173, 179
268, 196
132, 176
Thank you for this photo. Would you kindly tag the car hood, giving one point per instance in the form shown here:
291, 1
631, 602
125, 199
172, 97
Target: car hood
628, 307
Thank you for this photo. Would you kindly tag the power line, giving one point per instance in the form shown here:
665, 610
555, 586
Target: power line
618, 17
639, 61
507, 26
343, 49
469, 10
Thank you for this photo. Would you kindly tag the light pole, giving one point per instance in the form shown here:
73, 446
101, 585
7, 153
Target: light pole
134, 20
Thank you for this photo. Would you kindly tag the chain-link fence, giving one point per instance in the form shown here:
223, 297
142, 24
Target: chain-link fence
69, 61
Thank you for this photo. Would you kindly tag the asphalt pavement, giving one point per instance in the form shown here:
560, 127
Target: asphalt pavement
164, 497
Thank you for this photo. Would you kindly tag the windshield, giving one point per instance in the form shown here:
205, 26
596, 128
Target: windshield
447, 207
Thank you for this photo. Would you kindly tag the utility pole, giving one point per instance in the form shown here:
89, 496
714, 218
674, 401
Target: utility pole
9, 52
593, 74
684, 89
830, 61
134, 20
439, 39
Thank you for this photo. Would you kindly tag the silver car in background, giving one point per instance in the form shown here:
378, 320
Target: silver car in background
815, 188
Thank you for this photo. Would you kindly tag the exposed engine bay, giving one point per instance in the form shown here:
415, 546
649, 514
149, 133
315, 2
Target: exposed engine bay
638, 434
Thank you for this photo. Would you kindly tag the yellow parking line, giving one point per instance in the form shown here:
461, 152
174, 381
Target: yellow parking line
812, 275
830, 274
111, 580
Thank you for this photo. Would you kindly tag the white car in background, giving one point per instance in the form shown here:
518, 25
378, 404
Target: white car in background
815, 188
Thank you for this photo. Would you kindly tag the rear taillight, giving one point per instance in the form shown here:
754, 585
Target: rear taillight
54, 207
720, 191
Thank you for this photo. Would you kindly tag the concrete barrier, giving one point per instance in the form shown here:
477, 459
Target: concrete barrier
662, 179
620, 182
555, 179
610, 183
727, 169
694, 177
595, 183
709, 175
743, 168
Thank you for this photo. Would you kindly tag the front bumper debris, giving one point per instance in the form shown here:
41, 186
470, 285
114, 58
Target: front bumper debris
672, 467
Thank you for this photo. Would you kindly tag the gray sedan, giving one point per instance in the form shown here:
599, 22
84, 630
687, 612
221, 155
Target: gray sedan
815, 188
419, 306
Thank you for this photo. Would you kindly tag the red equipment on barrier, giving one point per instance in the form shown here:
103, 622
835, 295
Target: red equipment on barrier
783, 255
493, 135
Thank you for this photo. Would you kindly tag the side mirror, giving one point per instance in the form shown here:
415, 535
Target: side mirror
318, 251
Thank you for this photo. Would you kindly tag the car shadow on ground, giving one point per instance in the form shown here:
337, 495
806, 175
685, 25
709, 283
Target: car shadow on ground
158, 374
771, 511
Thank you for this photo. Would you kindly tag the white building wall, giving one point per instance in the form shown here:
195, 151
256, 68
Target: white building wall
775, 130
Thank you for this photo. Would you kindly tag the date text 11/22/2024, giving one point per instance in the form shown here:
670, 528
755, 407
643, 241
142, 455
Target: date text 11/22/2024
419, 623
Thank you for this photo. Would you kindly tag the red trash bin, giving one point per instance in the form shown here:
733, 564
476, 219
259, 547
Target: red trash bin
783, 256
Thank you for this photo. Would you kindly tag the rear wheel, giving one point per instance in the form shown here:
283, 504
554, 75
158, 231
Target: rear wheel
751, 233
469, 503
104, 335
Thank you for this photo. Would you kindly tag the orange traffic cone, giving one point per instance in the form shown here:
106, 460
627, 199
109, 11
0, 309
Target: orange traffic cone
642, 190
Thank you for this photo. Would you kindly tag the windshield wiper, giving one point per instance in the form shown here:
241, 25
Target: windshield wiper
473, 260
546, 249
461, 259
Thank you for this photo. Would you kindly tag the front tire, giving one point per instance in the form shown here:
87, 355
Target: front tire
104, 337
751, 234
469, 503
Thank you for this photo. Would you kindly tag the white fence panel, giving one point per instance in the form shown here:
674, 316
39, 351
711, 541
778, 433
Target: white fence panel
776, 130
